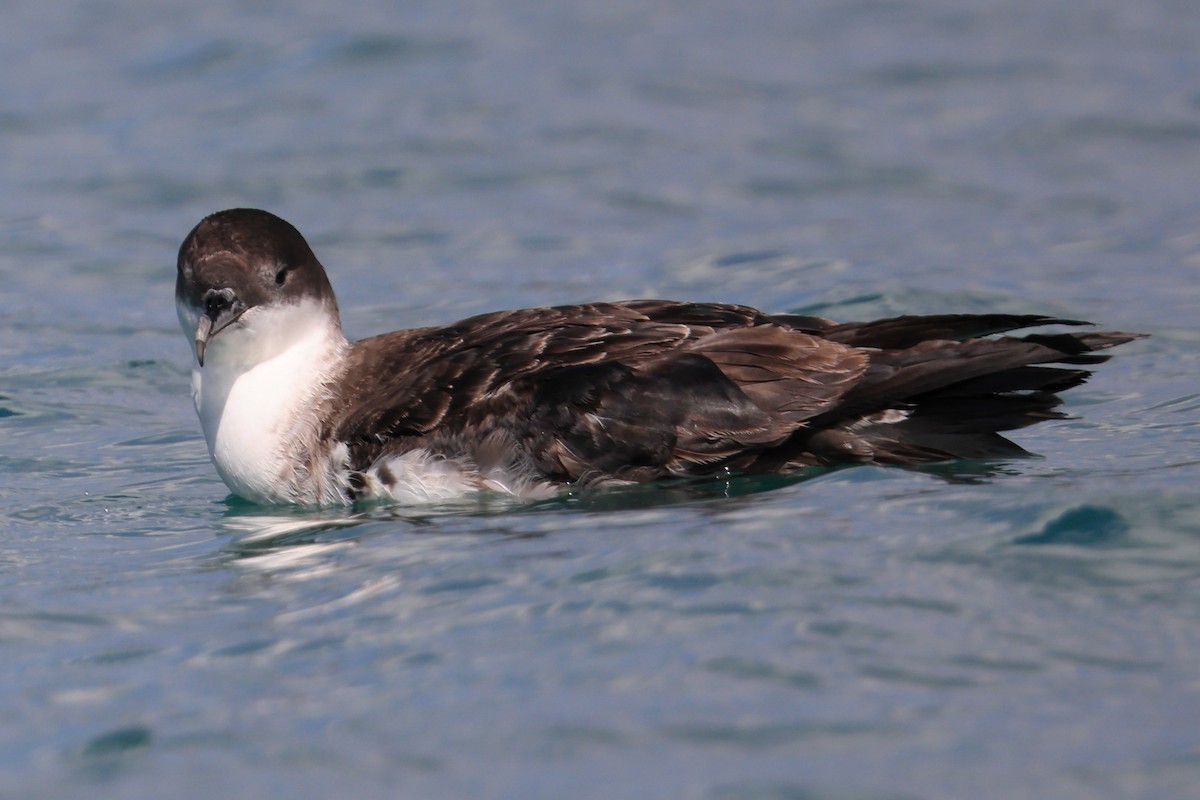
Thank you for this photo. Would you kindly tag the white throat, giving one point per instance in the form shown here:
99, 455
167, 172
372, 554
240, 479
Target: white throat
257, 397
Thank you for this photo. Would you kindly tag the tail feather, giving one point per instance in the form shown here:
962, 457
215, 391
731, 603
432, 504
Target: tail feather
1018, 379
934, 391
899, 333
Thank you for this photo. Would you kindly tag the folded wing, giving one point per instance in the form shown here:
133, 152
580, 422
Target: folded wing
641, 390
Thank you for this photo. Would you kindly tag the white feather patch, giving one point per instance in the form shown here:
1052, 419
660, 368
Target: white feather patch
260, 375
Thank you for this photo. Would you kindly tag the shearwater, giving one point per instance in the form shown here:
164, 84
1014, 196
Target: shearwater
528, 402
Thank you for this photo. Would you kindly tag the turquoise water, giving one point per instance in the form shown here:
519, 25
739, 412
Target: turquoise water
1025, 630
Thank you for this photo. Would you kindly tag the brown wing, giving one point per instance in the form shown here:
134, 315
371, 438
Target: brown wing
632, 390
638, 390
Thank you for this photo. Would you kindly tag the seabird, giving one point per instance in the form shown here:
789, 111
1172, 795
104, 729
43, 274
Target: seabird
528, 402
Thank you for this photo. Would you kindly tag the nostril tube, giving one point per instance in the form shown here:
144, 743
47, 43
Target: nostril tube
217, 300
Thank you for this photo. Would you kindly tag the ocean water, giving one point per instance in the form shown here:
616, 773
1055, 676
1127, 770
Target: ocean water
1029, 629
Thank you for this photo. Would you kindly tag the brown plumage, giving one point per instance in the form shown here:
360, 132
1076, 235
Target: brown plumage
647, 389
640, 390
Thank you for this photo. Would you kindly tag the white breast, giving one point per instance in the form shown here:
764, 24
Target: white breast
256, 398
260, 395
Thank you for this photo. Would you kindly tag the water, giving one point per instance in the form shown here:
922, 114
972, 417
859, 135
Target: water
868, 633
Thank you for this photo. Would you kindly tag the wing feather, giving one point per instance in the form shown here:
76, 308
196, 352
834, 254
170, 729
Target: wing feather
639, 390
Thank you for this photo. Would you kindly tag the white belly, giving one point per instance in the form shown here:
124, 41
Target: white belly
258, 412
259, 397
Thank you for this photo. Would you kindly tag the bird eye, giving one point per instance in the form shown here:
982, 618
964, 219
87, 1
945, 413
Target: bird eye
280, 277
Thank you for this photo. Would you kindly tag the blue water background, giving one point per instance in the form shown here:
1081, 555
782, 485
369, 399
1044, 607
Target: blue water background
1029, 633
